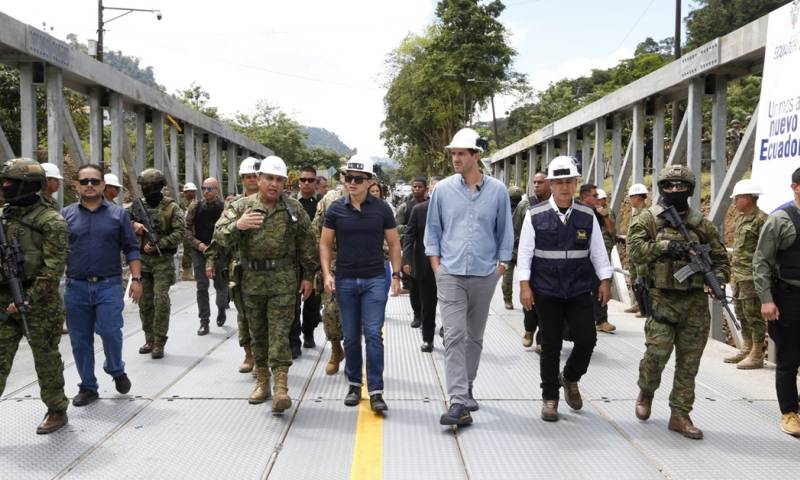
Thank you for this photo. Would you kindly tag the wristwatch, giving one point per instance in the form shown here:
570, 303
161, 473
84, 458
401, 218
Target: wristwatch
136, 279
395, 274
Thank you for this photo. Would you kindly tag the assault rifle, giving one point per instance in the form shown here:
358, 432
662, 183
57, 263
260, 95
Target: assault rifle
699, 256
143, 216
12, 268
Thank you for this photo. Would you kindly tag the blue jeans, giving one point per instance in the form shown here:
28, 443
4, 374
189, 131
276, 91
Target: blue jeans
95, 307
362, 303
387, 268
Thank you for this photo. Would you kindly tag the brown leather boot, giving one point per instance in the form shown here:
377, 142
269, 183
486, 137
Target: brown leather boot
681, 423
261, 392
158, 350
52, 422
280, 394
741, 354
572, 393
146, 348
527, 339
644, 404
247, 363
337, 355
755, 359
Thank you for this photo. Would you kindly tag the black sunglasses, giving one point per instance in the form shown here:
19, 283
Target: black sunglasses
93, 181
308, 180
359, 179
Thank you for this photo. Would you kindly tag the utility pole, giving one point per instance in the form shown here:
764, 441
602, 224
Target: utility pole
99, 31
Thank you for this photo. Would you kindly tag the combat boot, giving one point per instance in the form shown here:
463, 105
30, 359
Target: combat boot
741, 354
337, 355
644, 404
572, 394
146, 348
247, 363
261, 392
790, 423
681, 423
52, 422
755, 359
158, 350
527, 339
632, 309
280, 396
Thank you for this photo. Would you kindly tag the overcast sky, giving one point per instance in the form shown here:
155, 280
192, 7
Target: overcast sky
322, 61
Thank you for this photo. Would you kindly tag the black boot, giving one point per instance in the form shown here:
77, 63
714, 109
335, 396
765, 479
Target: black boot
203, 330
221, 318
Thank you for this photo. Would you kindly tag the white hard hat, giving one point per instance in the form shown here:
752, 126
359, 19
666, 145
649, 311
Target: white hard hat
359, 163
248, 166
601, 194
190, 187
112, 180
747, 187
466, 138
562, 167
637, 189
51, 171
273, 165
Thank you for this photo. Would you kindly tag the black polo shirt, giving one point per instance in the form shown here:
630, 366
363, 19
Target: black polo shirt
359, 236
309, 204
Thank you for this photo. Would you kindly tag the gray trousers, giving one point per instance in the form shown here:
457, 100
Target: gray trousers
464, 305
220, 285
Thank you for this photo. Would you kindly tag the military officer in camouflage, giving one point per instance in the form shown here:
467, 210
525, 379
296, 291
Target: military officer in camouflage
52, 185
637, 196
331, 318
41, 233
748, 307
515, 194
158, 269
248, 174
273, 235
680, 317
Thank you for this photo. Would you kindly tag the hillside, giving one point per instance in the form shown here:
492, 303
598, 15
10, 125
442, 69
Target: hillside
319, 137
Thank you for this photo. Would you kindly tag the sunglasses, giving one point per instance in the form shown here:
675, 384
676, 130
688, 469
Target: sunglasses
359, 179
93, 181
308, 180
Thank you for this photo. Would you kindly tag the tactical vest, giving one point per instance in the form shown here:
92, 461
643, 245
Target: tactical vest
561, 266
664, 267
27, 232
789, 260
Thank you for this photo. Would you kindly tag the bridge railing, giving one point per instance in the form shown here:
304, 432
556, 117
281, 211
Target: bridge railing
44, 60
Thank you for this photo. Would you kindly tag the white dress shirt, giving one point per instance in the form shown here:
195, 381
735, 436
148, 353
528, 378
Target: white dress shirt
527, 243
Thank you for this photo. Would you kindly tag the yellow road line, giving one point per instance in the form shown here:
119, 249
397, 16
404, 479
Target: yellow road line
368, 452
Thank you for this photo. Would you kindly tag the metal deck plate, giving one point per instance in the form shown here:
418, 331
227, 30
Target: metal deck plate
738, 441
26, 455
189, 439
508, 440
408, 373
319, 445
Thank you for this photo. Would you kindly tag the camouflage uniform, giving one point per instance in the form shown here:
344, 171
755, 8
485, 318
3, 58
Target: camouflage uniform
50, 202
186, 259
42, 236
331, 319
269, 291
158, 271
234, 278
680, 317
746, 302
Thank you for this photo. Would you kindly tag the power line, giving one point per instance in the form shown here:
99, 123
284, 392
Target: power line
635, 24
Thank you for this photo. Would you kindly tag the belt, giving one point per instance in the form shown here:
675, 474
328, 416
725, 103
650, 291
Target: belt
94, 279
266, 264
560, 254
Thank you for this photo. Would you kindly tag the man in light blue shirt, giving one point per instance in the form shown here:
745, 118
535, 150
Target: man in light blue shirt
469, 240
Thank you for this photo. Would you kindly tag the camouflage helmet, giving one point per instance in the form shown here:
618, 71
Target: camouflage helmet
151, 177
515, 193
25, 169
677, 173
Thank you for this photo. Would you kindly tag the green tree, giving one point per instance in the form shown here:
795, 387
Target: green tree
198, 99
271, 127
436, 80
321, 158
715, 18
